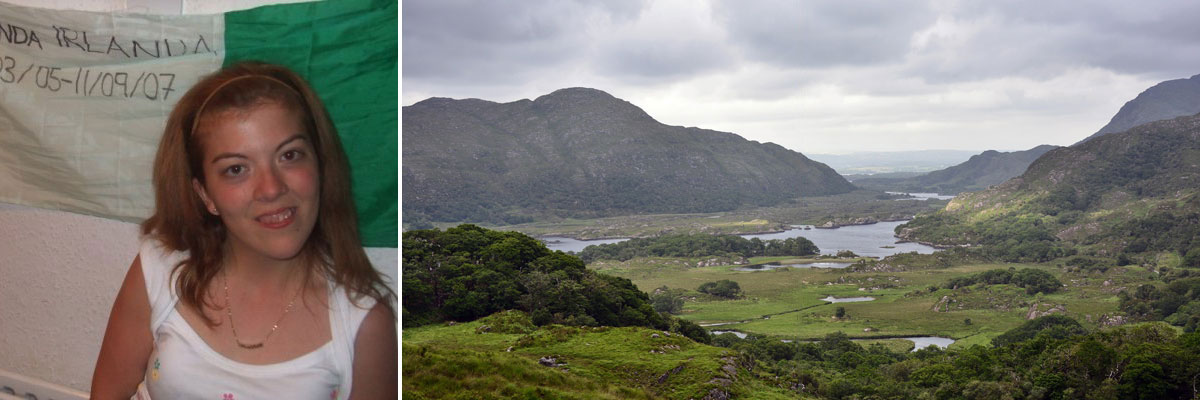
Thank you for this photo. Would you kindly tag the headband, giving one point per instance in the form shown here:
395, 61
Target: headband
200, 110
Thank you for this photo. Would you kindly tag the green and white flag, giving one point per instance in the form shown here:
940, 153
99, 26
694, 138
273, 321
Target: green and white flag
84, 96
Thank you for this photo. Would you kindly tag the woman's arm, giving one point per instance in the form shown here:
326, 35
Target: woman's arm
127, 340
375, 351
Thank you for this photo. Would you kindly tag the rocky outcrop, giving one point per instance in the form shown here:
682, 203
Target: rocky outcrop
551, 361
942, 305
840, 222
663, 378
1050, 309
717, 394
1112, 320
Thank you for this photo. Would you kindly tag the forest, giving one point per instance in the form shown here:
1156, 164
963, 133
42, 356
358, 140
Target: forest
699, 245
1051, 357
468, 272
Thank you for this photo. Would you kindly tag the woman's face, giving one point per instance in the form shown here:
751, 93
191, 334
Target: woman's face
261, 178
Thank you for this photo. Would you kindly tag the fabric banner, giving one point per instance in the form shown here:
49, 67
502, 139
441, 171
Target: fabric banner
84, 96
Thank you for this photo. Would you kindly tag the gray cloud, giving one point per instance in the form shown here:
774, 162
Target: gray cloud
664, 44
482, 42
819, 75
813, 34
1041, 39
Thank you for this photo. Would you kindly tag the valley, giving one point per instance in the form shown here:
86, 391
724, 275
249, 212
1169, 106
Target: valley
814, 326
791, 303
618, 257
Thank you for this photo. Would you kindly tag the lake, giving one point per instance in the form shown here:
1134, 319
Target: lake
926, 341
864, 240
923, 196
920, 342
740, 335
573, 245
832, 299
771, 266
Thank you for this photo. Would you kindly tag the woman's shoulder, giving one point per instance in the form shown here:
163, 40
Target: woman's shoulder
158, 265
154, 253
350, 300
158, 261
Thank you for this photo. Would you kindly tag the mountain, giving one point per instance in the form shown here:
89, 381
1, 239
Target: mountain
977, 173
1134, 192
879, 162
1169, 99
582, 153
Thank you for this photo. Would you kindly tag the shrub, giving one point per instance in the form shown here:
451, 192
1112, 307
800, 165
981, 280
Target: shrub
1058, 326
511, 321
722, 288
667, 300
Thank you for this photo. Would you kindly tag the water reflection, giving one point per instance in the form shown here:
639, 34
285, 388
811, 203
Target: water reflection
922, 342
735, 333
875, 240
832, 299
919, 342
771, 266
864, 240
574, 245
923, 196
721, 323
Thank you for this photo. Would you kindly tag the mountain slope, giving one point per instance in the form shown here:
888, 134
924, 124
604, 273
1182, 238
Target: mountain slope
979, 172
582, 152
1169, 99
1131, 192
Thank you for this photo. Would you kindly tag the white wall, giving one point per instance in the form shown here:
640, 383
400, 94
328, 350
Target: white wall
59, 272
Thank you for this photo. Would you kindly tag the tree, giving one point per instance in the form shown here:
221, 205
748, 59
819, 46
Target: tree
1143, 379
667, 300
722, 288
1055, 325
1192, 258
468, 272
693, 331
840, 313
1036, 280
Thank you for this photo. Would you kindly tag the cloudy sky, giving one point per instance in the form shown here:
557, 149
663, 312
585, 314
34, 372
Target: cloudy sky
816, 76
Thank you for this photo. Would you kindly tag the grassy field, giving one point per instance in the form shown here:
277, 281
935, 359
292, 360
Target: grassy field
786, 302
467, 361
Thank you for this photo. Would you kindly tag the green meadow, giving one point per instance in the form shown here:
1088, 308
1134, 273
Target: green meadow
488, 359
787, 302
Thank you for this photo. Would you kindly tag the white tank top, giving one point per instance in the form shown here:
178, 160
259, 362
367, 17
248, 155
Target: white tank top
183, 366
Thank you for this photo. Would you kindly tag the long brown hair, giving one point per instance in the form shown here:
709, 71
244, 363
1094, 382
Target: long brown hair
181, 222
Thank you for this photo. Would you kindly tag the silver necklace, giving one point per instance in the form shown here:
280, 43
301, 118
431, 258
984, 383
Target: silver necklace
229, 313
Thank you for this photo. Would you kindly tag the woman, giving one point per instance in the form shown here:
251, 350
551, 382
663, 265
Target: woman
251, 282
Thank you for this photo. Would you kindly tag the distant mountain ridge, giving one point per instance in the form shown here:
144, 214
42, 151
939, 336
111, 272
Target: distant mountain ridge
1166, 100
883, 162
977, 173
581, 152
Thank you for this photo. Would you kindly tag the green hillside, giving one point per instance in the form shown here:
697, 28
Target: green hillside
584, 153
480, 360
1135, 193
